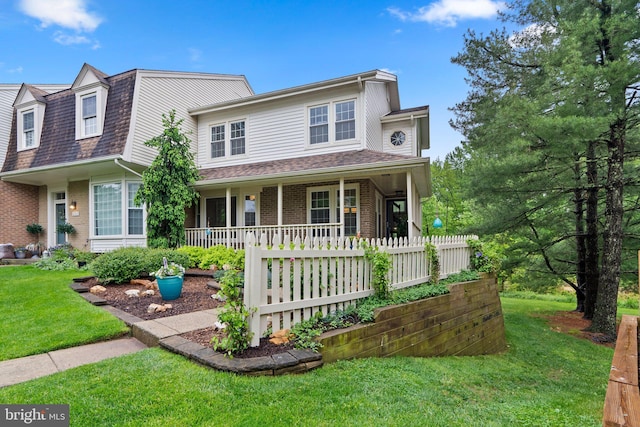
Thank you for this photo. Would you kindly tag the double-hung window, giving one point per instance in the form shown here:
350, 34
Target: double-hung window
332, 122
325, 206
228, 138
217, 141
135, 213
89, 115
237, 138
320, 209
319, 124
28, 129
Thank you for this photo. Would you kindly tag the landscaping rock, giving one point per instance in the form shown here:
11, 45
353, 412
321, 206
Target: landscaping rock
149, 293
280, 337
133, 293
97, 289
6, 251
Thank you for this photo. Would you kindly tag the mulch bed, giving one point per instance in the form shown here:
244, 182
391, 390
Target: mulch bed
196, 296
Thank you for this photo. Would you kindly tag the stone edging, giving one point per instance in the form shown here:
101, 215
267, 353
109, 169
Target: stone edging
293, 361
290, 362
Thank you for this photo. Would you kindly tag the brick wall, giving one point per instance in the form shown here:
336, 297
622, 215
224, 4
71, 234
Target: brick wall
19, 207
295, 204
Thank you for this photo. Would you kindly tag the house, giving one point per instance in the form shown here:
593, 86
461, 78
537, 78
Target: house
337, 157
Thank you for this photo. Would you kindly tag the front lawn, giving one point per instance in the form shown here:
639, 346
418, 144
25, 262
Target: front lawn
41, 313
544, 379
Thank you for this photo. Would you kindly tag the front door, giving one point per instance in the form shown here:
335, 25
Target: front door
397, 218
216, 212
60, 216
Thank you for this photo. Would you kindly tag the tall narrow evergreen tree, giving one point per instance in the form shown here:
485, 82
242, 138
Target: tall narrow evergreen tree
167, 185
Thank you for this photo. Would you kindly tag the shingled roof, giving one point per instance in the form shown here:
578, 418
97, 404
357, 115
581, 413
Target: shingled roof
58, 138
309, 163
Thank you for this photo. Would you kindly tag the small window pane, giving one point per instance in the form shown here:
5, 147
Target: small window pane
27, 121
88, 106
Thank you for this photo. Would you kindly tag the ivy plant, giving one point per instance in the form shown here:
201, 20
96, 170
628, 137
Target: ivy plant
234, 315
380, 266
167, 185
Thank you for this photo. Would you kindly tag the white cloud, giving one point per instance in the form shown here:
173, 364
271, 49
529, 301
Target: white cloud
449, 12
16, 70
64, 13
66, 39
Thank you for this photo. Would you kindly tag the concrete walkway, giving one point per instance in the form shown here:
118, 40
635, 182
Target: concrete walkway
145, 333
27, 368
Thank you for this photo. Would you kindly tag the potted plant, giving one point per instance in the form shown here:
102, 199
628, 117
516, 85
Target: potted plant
20, 252
35, 230
170, 278
66, 228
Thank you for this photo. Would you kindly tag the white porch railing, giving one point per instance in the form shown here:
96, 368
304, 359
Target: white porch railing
234, 237
288, 285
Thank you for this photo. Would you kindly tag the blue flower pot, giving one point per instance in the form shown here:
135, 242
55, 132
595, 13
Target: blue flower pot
170, 287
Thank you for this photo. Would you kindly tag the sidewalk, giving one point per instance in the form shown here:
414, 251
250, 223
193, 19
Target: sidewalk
27, 368
145, 333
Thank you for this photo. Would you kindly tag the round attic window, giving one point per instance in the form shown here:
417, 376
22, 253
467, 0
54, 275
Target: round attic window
397, 138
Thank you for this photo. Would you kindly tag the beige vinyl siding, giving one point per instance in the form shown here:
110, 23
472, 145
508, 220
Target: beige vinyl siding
157, 95
405, 126
376, 106
277, 130
8, 94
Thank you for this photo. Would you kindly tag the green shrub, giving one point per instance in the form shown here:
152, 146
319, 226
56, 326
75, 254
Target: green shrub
61, 264
124, 264
220, 255
304, 333
196, 253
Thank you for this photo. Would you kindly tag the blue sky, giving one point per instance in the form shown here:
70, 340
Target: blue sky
274, 44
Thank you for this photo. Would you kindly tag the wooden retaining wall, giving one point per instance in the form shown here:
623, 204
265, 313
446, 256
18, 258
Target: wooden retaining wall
468, 321
622, 402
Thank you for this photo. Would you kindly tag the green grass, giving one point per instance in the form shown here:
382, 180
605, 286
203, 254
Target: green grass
41, 313
545, 378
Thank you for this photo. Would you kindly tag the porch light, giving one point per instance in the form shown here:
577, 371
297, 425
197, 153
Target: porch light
252, 197
437, 223
73, 205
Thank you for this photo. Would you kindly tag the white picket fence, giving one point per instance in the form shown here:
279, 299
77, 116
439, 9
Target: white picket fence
289, 281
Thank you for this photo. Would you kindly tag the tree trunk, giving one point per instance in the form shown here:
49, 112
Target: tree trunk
578, 199
604, 318
591, 272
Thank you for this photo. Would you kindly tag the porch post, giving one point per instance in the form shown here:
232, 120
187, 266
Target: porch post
280, 197
341, 207
410, 207
228, 216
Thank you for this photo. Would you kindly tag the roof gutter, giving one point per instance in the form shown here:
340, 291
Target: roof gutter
58, 166
116, 161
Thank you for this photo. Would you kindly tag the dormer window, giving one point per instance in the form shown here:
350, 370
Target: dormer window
89, 115
91, 107
28, 129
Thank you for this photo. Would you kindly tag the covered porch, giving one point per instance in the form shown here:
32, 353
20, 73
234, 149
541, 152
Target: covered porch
371, 200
